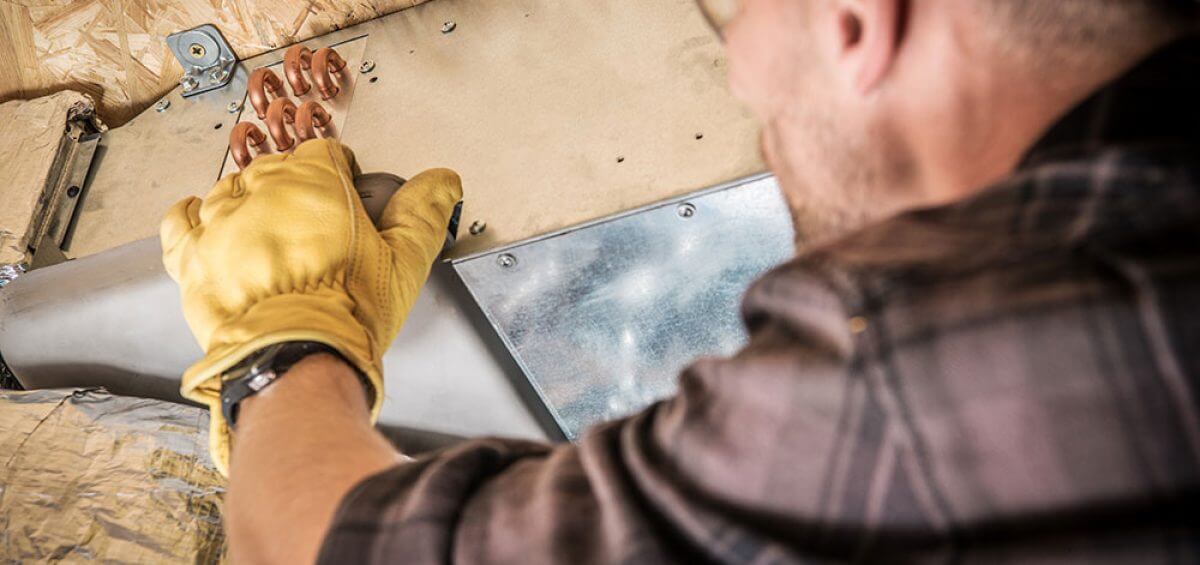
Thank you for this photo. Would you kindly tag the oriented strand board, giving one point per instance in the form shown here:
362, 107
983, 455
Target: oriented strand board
115, 51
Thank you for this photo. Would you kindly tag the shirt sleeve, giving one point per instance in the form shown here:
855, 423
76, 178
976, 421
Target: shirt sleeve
683, 481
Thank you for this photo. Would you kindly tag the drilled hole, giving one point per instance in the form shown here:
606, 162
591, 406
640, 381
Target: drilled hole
620, 159
699, 136
218, 126
373, 79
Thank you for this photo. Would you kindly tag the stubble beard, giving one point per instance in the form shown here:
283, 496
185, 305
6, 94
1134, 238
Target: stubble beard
825, 176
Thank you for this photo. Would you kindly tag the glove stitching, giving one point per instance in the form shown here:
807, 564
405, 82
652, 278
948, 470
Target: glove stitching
352, 265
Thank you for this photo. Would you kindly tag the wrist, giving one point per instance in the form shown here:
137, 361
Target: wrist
324, 377
266, 368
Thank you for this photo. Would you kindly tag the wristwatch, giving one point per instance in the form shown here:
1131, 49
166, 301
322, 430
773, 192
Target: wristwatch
263, 367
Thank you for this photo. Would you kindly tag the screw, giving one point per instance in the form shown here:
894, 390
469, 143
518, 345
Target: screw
233, 107
196, 50
506, 260
448, 27
218, 75
162, 105
188, 82
477, 227
686, 210
72, 192
366, 66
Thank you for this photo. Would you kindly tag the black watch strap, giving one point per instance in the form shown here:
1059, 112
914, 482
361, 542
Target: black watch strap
263, 367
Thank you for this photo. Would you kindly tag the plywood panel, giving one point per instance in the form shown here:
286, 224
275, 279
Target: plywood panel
114, 50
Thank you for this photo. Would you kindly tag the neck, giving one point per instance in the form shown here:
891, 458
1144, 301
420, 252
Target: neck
999, 109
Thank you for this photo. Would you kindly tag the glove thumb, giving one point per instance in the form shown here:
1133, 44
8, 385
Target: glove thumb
180, 220
415, 219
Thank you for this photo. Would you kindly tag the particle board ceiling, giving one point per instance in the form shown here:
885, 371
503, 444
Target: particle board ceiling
114, 50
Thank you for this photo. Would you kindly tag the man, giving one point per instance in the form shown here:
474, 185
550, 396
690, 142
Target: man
984, 351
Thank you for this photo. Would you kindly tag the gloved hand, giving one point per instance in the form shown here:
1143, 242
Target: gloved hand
283, 251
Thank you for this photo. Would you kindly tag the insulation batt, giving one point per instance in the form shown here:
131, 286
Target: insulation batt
89, 476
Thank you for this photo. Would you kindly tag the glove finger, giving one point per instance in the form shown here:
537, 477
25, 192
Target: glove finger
416, 217
328, 150
179, 221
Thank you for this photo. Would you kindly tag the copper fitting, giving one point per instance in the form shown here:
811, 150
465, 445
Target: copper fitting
325, 64
238, 139
310, 114
296, 58
281, 110
262, 80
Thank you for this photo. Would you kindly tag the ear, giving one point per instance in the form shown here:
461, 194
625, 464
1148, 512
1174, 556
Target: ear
869, 34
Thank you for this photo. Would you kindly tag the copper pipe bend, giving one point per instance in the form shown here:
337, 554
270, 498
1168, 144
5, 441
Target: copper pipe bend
243, 132
325, 64
296, 58
262, 80
281, 110
310, 116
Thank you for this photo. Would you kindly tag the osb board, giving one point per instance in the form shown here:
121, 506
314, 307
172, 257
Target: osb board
555, 112
30, 132
114, 50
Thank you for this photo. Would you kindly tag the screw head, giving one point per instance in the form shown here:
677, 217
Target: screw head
162, 105
218, 74
478, 227
506, 261
448, 27
686, 210
366, 66
196, 50
233, 107
188, 82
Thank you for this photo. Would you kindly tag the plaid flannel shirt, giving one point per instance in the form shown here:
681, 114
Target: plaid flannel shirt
1014, 377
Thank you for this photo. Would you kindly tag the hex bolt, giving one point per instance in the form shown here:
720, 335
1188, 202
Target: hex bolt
686, 210
233, 107
506, 261
188, 82
162, 105
448, 27
478, 227
366, 66
217, 75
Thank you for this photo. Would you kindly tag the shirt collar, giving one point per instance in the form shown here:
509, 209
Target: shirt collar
1156, 101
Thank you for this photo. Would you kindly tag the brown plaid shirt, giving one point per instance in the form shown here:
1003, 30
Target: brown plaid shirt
1011, 378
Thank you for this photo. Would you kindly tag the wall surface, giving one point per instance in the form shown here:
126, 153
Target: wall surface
114, 50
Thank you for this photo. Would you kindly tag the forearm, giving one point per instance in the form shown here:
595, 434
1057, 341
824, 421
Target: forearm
300, 446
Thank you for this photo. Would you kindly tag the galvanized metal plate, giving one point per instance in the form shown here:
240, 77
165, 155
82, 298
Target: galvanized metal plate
207, 59
602, 318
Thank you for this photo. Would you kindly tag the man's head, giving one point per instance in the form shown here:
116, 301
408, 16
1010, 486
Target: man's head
870, 107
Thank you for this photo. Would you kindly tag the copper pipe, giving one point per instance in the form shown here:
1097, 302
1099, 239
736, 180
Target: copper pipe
261, 80
325, 64
238, 138
296, 58
281, 110
310, 114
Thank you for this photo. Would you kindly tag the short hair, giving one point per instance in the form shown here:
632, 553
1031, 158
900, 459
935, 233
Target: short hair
1066, 31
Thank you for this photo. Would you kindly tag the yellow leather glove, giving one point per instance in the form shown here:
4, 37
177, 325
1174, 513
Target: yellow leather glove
284, 251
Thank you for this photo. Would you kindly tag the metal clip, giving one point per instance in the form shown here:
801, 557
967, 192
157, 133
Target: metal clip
207, 59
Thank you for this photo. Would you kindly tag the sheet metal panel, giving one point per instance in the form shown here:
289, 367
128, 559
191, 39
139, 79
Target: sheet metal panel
602, 318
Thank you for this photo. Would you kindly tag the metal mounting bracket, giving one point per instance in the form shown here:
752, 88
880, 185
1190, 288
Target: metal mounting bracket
207, 59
